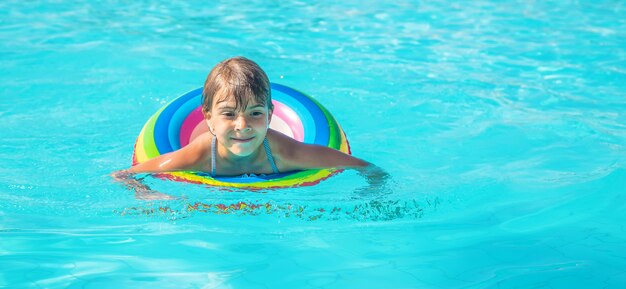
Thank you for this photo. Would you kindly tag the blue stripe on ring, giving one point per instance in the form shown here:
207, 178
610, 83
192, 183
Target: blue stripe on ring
161, 127
179, 117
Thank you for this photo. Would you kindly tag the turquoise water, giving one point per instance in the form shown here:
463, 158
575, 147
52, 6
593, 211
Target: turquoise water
501, 123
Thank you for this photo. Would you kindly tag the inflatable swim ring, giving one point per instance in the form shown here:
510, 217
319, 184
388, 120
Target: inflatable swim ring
295, 114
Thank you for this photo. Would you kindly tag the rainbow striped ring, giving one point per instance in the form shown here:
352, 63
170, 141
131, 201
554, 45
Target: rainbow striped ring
295, 114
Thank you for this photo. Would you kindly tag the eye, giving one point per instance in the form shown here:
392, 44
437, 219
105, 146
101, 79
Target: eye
256, 113
228, 114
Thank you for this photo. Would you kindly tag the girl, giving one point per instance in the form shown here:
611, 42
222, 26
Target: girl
237, 108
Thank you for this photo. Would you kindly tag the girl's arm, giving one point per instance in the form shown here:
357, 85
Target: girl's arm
298, 155
324, 157
308, 156
188, 158
319, 157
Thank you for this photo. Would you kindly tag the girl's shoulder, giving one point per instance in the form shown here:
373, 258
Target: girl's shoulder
201, 143
284, 149
294, 155
282, 144
198, 151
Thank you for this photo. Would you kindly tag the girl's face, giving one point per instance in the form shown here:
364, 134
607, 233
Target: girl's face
241, 131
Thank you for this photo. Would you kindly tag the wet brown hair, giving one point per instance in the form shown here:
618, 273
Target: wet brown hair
239, 77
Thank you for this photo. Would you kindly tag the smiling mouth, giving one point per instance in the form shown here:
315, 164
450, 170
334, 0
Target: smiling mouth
242, 140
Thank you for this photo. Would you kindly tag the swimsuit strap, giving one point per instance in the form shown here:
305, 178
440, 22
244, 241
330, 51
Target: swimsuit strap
270, 158
213, 155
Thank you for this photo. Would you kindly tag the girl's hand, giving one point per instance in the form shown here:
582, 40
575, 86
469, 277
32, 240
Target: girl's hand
377, 181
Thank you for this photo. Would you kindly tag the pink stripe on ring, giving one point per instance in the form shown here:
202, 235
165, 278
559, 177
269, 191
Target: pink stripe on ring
291, 118
189, 125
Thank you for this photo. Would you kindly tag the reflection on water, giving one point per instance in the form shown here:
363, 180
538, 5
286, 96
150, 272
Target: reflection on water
375, 210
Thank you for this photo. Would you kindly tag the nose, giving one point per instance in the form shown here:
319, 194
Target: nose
241, 124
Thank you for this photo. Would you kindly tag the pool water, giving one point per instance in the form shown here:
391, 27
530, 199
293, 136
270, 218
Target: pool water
501, 123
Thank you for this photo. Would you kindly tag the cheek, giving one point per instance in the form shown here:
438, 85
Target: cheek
261, 122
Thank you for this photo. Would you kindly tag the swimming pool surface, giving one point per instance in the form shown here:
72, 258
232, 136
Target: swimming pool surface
501, 123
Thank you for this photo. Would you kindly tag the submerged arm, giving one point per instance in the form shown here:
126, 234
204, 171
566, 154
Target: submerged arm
127, 178
376, 177
142, 191
374, 174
